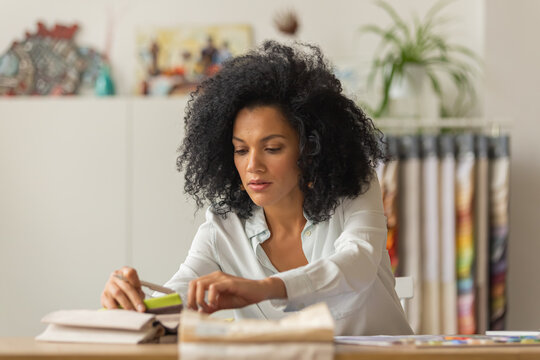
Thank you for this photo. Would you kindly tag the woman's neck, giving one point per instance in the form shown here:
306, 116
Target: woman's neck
288, 218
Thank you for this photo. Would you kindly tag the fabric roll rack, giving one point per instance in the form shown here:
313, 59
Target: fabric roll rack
445, 188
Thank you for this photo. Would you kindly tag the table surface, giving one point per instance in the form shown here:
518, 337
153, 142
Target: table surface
22, 348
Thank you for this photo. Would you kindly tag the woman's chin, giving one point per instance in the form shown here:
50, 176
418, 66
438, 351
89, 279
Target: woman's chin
261, 200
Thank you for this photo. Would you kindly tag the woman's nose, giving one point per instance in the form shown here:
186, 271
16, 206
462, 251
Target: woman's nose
254, 162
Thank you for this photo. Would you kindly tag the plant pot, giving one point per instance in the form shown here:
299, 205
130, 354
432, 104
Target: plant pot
411, 95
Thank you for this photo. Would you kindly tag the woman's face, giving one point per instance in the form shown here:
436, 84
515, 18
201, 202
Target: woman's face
266, 151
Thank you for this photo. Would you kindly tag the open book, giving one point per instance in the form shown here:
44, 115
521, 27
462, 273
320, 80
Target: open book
158, 324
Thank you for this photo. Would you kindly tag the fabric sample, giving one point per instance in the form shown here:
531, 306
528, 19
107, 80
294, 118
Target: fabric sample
465, 233
410, 244
447, 224
498, 235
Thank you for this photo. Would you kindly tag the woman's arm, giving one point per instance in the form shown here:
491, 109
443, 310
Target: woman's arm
358, 252
231, 292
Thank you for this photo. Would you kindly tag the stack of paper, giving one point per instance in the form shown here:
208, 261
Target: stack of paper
307, 334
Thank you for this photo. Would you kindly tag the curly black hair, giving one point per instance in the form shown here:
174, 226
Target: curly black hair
339, 145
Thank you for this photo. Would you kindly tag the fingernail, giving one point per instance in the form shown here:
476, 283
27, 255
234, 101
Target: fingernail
140, 307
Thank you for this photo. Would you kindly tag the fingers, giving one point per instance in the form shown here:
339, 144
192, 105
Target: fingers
131, 276
197, 291
213, 293
118, 295
223, 290
124, 291
192, 288
107, 301
200, 293
215, 289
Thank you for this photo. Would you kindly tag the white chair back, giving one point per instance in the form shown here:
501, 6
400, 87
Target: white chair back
404, 289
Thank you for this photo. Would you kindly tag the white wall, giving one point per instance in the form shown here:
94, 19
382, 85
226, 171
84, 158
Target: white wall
513, 91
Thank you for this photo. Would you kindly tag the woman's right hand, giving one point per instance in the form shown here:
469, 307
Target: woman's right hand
123, 289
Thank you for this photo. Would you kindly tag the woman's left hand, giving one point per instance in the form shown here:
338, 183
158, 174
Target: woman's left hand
231, 292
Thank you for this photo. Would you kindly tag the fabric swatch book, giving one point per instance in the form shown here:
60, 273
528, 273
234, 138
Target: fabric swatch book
158, 324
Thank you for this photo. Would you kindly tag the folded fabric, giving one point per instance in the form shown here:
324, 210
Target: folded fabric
313, 324
107, 326
307, 334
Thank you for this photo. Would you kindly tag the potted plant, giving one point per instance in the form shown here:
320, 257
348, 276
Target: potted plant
408, 50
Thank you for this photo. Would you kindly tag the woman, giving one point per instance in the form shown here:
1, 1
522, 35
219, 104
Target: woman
286, 162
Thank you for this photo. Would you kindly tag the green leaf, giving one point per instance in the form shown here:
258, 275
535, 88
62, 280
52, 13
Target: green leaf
435, 9
383, 107
386, 35
394, 15
435, 83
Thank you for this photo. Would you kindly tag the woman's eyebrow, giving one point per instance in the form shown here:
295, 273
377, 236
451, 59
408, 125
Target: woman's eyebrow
266, 138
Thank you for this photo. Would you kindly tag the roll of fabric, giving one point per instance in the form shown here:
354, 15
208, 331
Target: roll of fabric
465, 233
447, 225
390, 193
409, 212
499, 187
481, 228
430, 236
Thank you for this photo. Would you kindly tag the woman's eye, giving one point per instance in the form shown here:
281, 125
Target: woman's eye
240, 151
273, 150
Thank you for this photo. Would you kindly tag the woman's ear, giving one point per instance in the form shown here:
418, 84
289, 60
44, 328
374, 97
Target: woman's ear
313, 145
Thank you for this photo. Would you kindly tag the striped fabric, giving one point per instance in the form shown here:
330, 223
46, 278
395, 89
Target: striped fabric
498, 234
465, 233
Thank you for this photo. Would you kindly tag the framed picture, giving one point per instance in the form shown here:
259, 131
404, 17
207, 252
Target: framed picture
175, 60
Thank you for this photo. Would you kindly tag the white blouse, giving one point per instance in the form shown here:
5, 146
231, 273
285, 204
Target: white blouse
348, 265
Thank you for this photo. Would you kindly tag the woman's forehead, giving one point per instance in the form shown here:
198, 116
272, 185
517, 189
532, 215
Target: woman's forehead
262, 122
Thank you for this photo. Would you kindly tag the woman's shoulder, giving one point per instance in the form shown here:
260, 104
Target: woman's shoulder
369, 200
217, 216
224, 222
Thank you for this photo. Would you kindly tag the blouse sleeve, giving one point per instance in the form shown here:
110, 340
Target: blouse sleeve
353, 266
201, 259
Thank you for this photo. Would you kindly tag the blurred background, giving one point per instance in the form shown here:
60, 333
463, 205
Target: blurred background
92, 95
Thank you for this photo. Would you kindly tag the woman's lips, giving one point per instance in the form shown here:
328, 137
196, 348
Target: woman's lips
259, 186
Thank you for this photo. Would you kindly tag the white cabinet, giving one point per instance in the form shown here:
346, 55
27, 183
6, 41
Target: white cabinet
86, 186
163, 220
